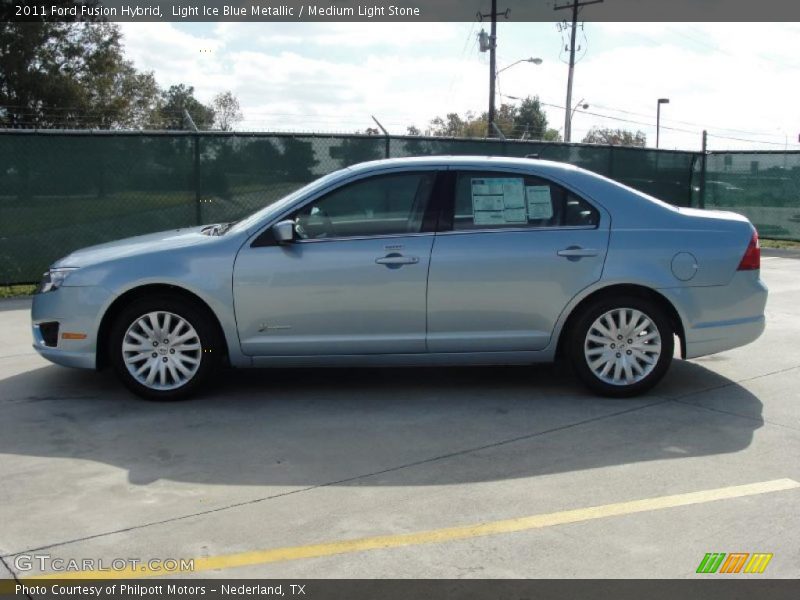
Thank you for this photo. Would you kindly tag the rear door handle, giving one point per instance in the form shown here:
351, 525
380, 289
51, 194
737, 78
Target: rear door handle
397, 260
578, 252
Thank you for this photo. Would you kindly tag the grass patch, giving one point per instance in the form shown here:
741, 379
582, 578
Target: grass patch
11, 291
769, 243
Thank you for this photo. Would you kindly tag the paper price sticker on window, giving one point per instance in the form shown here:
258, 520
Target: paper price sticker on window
539, 204
498, 201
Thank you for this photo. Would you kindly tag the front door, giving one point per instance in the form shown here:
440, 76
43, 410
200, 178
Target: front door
353, 282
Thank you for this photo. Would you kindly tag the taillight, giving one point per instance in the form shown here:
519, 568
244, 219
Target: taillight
752, 256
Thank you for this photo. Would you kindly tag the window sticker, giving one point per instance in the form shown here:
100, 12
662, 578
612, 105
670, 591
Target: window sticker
539, 204
498, 201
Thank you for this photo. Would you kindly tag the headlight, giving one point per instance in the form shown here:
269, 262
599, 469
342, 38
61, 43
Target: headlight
53, 279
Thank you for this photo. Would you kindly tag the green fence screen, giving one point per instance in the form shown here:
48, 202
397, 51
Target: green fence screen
763, 186
60, 191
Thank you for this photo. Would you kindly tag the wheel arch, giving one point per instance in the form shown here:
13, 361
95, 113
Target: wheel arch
627, 289
142, 291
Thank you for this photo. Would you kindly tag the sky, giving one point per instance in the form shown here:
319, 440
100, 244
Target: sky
737, 80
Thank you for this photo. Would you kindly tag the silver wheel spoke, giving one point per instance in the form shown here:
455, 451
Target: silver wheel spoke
641, 327
128, 347
148, 332
142, 368
183, 369
602, 329
167, 321
141, 339
626, 367
186, 347
612, 327
162, 350
617, 370
622, 346
135, 358
607, 368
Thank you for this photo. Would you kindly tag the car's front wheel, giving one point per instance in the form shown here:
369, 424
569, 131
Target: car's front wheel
622, 346
164, 348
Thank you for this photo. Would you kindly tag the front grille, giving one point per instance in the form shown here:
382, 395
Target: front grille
49, 331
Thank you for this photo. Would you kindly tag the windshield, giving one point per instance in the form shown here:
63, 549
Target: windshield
260, 215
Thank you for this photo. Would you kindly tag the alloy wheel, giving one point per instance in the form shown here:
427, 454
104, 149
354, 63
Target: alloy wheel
161, 350
622, 346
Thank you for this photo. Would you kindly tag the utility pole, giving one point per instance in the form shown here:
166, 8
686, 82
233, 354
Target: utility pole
703, 165
658, 119
491, 46
575, 6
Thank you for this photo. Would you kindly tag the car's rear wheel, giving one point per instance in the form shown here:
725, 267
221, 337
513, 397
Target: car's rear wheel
164, 348
621, 346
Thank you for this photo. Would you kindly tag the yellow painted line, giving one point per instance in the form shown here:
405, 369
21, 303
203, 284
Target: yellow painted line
449, 534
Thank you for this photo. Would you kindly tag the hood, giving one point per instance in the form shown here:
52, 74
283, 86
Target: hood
140, 244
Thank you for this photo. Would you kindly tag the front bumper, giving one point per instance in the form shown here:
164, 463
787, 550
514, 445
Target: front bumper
78, 312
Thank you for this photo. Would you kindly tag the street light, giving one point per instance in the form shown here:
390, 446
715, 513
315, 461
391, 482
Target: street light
658, 117
532, 60
582, 104
535, 61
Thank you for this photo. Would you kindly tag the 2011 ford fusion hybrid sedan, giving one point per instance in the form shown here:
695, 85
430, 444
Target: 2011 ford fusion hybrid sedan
415, 261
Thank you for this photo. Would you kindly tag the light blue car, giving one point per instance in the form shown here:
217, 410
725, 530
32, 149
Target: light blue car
415, 261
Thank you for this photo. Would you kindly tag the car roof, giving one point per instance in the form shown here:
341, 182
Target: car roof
539, 165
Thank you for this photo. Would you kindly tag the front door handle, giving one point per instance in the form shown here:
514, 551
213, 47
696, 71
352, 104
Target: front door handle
578, 252
396, 260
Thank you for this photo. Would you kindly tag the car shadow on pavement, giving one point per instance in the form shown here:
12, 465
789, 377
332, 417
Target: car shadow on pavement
310, 427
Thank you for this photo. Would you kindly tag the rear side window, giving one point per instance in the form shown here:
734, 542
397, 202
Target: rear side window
498, 200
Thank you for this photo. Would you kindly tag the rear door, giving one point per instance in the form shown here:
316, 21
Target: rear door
511, 252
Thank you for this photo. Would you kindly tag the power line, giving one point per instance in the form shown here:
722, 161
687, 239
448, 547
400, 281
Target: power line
725, 137
595, 114
628, 112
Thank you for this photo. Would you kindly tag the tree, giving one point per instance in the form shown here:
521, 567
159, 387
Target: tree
451, 126
526, 120
227, 111
615, 137
180, 98
70, 75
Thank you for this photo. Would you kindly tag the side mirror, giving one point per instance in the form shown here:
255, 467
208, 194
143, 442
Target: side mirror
283, 232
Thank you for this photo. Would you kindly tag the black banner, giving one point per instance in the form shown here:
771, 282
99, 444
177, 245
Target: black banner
398, 10
712, 588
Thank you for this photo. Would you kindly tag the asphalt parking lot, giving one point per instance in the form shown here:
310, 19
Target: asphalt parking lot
430, 473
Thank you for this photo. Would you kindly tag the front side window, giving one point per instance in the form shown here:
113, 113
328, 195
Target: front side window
381, 205
499, 200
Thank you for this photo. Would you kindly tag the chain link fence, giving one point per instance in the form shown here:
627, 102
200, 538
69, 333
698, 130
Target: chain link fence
61, 190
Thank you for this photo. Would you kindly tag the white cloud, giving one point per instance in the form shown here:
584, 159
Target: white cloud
334, 76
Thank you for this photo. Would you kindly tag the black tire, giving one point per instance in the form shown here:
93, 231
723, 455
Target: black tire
577, 343
197, 316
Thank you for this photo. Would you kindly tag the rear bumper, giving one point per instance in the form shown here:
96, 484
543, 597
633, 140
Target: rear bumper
701, 341
719, 318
